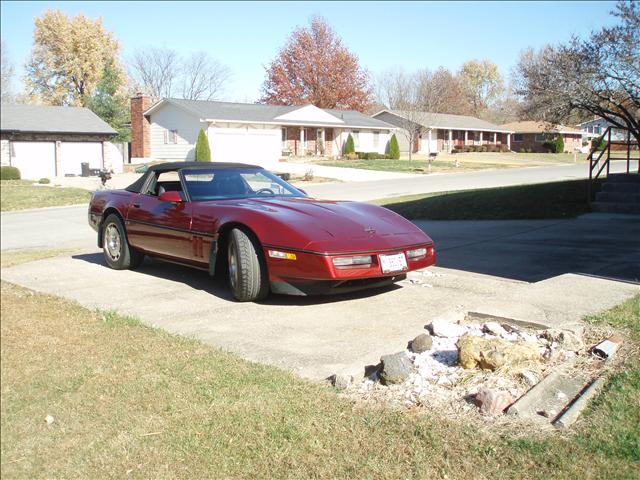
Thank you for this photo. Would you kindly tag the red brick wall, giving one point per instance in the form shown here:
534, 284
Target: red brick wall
571, 142
140, 127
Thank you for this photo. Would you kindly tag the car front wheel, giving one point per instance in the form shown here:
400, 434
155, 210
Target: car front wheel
247, 269
118, 254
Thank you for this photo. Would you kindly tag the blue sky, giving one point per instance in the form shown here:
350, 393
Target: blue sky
246, 36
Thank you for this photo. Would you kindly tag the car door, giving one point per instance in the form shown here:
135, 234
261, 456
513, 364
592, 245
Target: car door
158, 227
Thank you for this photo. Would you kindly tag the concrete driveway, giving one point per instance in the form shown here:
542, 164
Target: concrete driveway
319, 336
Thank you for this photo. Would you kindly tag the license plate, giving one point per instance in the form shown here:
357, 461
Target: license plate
395, 262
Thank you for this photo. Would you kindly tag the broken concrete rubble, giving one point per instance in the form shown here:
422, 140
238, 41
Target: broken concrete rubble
445, 328
395, 368
493, 402
491, 354
421, 343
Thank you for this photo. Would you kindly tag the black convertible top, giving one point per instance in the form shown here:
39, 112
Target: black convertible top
170, 166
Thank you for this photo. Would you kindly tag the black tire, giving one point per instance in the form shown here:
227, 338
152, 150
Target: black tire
248, 277
118, 254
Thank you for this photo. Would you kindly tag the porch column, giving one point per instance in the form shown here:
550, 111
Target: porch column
466, 137
429, 141
58, 154
322, 147
495, 138
450, 141
509, 141
480, 138
300, 151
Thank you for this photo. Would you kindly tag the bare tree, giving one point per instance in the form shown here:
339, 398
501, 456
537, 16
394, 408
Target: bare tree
155, 71
204, 77
6, 71
599, 75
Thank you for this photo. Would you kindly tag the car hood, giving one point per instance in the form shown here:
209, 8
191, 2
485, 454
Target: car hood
339, 226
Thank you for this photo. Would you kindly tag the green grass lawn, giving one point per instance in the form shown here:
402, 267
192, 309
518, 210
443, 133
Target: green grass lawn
133, 402
546, 200
22, 194
466, 161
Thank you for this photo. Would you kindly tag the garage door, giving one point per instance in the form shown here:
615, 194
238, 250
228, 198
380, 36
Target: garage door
35, 160
255, 146
75, 153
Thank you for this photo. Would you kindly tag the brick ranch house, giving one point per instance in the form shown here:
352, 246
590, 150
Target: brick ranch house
46, 142
442, 132
251, 133
531, 135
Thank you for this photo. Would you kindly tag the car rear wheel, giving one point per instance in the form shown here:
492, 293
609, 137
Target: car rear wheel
118, 254
247, 269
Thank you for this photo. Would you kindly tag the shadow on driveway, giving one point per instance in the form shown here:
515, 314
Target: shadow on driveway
200, 280
601, 245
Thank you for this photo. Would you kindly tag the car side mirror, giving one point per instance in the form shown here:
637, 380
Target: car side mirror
171, 196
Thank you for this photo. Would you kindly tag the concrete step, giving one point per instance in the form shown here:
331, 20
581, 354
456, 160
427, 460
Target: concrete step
615, 207
626, 187
619, 197
624, 178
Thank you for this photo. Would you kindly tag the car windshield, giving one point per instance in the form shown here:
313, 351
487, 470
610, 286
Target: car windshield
218, 184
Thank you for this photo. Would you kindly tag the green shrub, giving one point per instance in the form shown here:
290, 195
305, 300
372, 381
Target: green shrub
44, 181
349, 146
598, 143
560, 144
350, 156
203, 151
9, 173
504, 148
393, 149
371, 156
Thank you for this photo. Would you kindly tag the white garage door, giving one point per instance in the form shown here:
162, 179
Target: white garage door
75, 153
255, 146
35, 160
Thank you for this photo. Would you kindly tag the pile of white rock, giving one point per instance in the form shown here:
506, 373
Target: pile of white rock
460, 367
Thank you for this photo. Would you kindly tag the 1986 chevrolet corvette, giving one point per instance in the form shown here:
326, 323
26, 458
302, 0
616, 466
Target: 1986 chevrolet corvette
265, 233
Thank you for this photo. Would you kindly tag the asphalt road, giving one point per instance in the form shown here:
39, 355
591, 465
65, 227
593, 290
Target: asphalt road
66, 227
443, 182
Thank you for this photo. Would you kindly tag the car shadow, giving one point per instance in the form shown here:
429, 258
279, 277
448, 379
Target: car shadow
200, 280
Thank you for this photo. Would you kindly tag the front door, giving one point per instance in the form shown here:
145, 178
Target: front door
158, 227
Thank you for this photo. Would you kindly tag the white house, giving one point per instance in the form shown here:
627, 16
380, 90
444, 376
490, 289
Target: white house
249, 133
54, 141
597, 126
442, 132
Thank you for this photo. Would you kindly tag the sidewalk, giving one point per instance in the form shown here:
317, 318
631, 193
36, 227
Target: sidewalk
340, 173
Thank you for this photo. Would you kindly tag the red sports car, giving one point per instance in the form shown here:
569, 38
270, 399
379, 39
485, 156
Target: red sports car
267, 234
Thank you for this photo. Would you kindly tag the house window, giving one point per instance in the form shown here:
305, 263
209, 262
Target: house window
476, 136
518, 137
541, 137
171, 137
356, 138
597, 129
284, 137
376, 139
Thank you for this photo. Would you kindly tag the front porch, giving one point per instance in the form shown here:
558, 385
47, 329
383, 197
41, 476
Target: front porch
446, 140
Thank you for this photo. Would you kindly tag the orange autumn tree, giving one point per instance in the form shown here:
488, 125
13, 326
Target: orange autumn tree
315, 67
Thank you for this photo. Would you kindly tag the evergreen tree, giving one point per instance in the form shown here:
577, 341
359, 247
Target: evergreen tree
110, 103
393, 149
560, 144
349, 146
203, 152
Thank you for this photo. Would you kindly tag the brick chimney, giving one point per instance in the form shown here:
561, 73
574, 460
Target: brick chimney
140, 127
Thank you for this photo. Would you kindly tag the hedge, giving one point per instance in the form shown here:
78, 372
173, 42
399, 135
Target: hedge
9, 173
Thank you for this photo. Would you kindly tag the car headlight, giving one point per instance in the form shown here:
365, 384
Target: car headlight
352, 261
282, 255
416, 253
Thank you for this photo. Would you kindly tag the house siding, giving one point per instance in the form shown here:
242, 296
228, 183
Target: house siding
170, 118
572, 142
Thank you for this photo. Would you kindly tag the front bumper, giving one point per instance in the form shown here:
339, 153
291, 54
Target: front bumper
315, 273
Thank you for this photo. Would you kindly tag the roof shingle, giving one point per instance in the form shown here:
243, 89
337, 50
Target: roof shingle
44, 119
